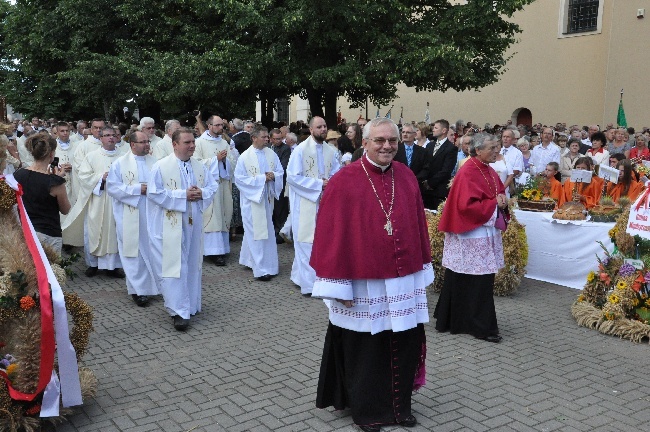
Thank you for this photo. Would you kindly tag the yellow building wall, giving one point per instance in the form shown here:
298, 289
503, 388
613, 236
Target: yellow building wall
575, 79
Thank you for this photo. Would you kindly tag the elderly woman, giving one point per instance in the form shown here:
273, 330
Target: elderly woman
627, 185
587, 193
568, 161
44, 191
619, 145
473, 251
640, 150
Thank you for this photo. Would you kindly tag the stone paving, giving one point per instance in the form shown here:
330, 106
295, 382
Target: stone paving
250, 362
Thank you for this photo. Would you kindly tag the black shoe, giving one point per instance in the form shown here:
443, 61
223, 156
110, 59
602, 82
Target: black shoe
369, 428
117, 273
278, 239
91, 271
307, 295
409, 421
180, 324
218, 260
141, 301
264, 278
492, 338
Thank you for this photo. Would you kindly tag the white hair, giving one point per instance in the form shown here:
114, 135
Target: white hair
146, 120
377, 122
170, 124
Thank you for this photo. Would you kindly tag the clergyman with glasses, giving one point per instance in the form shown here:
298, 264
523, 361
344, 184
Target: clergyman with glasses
374, 351
94, 209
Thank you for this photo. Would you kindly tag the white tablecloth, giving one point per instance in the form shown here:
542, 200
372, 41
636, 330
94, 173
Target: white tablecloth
562, 254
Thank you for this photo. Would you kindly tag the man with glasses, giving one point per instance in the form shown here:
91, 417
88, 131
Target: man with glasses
94, 209
376, 291
410, 154
127, 185
216, 154
148, 126
310, 168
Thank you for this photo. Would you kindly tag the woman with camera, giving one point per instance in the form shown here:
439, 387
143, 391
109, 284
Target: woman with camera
44, 193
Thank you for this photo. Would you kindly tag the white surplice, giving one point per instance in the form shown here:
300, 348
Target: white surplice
163, 148
309, 188
217, 218
259, 255
140, 278
182, 294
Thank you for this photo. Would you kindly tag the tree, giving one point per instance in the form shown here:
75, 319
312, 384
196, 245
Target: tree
221, 55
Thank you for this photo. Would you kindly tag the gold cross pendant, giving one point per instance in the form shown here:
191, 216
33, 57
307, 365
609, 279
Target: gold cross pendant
389, 227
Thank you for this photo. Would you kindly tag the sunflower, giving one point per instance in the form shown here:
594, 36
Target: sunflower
613, 298
621, 285
591, 276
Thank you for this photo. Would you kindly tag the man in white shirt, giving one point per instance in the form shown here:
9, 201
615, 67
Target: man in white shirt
545, 152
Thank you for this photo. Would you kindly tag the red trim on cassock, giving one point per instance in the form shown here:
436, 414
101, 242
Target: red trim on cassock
471, 202
350, 241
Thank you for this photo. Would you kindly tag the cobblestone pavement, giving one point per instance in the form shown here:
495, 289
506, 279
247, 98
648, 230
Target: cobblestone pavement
250, 362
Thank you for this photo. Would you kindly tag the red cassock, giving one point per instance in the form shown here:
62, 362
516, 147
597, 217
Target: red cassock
472, 199
350, 241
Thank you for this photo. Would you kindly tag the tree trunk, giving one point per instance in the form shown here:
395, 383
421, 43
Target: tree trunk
107, 112
315, 98
330, 109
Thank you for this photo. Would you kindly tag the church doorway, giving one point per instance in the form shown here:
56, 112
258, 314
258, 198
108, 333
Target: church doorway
522, 116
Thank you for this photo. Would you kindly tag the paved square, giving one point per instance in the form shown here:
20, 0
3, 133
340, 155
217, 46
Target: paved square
250, 362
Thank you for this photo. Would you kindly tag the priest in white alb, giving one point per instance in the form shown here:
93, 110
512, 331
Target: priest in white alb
258, 176
65, 148
127, 184
94, 208
164, 146
310, 167
216, 154
180, 189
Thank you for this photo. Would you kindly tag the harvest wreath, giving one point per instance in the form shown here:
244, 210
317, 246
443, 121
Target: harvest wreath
36, 348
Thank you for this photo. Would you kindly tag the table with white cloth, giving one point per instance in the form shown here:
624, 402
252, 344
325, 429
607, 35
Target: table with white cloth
562, 253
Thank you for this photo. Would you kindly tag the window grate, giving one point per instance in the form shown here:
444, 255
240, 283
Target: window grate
583, 16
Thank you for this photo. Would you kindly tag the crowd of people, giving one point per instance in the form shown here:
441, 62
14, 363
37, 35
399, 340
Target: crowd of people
149, 205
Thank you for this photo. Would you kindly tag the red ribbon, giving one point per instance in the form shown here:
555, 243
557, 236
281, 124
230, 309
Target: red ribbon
47, 320
643, 199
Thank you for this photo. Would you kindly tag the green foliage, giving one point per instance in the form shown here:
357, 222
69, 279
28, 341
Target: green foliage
84, 58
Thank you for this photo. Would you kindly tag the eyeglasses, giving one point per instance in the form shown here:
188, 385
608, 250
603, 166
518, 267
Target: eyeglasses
382, 141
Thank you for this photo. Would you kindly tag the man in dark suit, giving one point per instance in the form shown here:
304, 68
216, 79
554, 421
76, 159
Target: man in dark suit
281, 205
241, 138
441, 160
411, 154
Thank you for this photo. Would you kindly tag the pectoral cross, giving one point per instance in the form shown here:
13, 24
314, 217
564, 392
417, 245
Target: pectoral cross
389, 227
